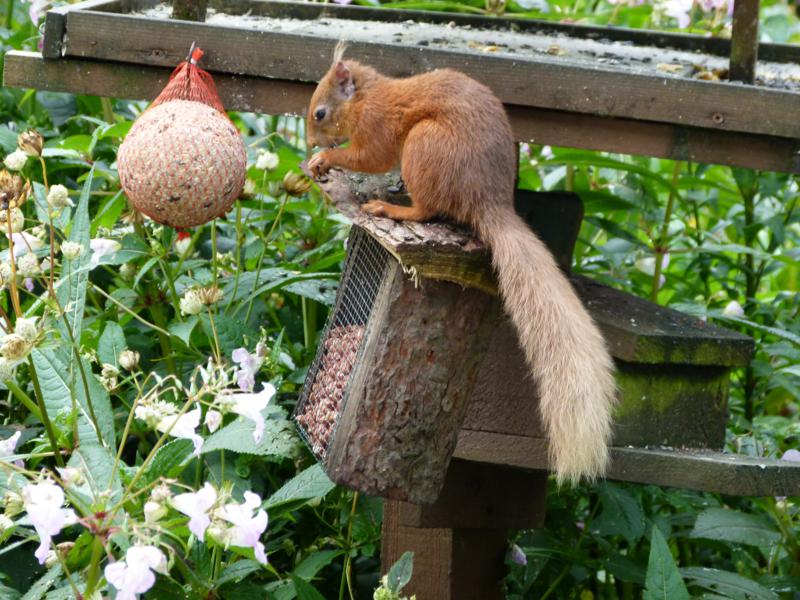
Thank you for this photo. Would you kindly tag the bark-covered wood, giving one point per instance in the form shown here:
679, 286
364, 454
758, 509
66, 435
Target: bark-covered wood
562, 80
544, 126
407, 394
744, 41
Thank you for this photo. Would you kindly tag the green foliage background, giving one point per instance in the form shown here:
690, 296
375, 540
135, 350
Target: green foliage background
732, 235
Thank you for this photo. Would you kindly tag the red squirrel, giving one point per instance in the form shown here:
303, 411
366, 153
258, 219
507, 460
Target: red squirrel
453, 141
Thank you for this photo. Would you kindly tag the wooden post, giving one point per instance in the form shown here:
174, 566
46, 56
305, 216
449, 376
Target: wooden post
189, 10
744, 41
461, 540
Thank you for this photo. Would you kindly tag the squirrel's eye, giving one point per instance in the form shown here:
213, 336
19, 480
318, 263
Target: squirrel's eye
319, 114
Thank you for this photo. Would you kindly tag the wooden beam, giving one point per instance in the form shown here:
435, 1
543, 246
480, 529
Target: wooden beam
543, 126
702, 470
744, 41
623, 88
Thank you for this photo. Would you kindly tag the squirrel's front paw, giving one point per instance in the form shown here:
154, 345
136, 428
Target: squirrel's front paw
376, 208
319, 164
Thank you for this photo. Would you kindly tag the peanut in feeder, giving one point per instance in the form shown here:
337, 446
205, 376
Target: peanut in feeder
183, 162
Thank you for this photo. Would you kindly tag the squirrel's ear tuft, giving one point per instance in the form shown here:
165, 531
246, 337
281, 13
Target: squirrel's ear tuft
338, 51
344, 80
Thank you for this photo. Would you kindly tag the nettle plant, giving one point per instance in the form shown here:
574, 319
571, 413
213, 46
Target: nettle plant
141, 391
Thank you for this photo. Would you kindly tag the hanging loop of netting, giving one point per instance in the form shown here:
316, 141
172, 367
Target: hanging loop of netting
190, 82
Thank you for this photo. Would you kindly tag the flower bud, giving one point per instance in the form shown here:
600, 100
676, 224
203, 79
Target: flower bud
733, 309
266, 161
71, 250
127, 272
154, 512
31, 142
14, 347
249, 190
16, 218
16, 160
182, 243
28, 265
13, 503
296, 184
26, 327
5, 524
210, 295
129, 360
58, 197
70, 475
191, 304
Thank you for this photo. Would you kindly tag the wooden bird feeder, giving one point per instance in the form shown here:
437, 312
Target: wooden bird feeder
419, 392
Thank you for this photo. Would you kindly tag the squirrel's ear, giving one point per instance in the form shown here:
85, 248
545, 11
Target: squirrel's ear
344, 80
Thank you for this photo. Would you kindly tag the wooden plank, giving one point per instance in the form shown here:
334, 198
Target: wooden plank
768, 153
537, 80
744, 41
701, 470
715, 46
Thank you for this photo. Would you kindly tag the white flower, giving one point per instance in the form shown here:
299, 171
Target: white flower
7, 368
71, 250
5, 524
26, 327
678, 9
266, 160
58, 197
101, 247
250, 406
153, 512
182, 244
129, 360
733, 309
183, 427
23, 242
14, 347
153, 412
191, 304
70, 475
247, 527
249, 364
28, 265
16, 160
134, 575
213, 420
196, 506
8, 446
44, 505
249, 187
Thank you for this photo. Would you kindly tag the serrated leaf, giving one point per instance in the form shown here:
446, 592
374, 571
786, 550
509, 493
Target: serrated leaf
735, 527
71, 292
111, 344
663, 581
400, 573
44, 583
238, 571
731, 585
622, 514
168, 461
305, 591
96, 464
278, 440
230, 331
311, 483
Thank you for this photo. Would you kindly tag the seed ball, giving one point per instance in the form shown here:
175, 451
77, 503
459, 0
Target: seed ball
183, 163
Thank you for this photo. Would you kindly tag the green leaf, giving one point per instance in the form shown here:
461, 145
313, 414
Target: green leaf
111, 344
622, 514
731, 585
96, 464
39, 589
663, 581
305, 591
311, 483
184, 329
169, 461
230, 331
735, 527
238, 571
400, 573
316, 562
279, 439
71, 292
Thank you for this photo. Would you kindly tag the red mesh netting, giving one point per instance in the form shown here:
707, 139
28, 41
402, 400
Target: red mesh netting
190, 82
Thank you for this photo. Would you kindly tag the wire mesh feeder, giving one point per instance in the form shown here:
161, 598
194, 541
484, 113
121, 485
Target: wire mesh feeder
384, 399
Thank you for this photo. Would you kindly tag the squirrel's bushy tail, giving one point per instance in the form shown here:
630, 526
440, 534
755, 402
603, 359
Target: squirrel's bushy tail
571, 366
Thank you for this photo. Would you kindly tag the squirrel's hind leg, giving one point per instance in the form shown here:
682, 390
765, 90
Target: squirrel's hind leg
415, 212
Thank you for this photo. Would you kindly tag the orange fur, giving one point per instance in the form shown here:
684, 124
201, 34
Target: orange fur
452, 139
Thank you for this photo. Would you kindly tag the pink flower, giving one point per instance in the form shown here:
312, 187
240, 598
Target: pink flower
102, 247
792, 455
250, 407
518, 556
249, 364
36, 10
134, 575
183, 427
44, 503
196, 506
679, 9
24, 241
213, 420
247, 527
8, 446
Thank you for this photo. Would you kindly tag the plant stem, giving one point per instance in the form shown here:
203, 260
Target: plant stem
48, 425
93, 575
9, 14
108, 111
347, 580
24, 398
660, 247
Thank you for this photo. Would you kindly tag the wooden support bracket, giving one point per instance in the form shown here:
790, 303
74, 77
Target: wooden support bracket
744, 41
